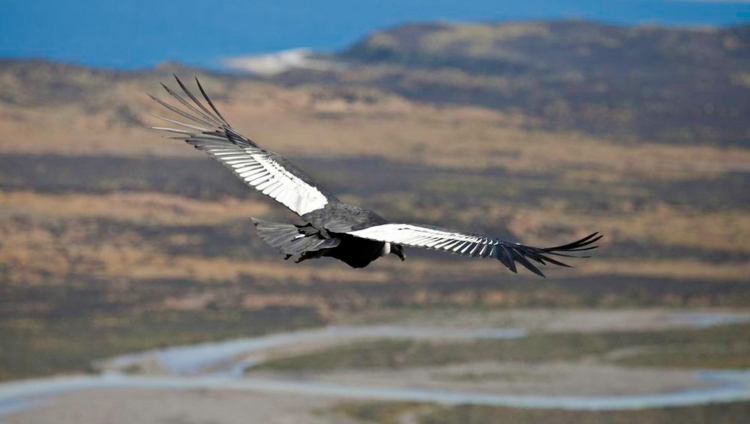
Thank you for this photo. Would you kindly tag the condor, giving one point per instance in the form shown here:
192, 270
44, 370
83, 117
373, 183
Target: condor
332, 228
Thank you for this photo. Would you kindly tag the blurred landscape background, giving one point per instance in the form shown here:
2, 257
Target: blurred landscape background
115, 241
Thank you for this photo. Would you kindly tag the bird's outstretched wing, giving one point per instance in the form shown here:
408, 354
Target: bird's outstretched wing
475, 245
266, 171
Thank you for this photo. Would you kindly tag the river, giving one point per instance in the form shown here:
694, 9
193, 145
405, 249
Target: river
221, 366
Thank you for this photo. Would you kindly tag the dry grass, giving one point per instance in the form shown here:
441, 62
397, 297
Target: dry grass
304, 122
159, 208
49, 238
218, 270
35, 254
727, 230
32, 248
424, 270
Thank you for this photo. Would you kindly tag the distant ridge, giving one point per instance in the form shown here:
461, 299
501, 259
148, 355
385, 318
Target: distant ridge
627, 83
669, 84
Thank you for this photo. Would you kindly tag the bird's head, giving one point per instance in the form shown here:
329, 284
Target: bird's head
398, 250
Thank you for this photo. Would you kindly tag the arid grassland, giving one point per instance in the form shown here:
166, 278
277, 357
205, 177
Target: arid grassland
113, 239
714, 348
385, 413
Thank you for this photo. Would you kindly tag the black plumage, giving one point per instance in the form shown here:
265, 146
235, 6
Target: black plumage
332, 228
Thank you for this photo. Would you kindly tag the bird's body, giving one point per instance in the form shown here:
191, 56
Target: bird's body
331, 228
325, 234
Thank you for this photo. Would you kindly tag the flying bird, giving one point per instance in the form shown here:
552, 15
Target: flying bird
331, 228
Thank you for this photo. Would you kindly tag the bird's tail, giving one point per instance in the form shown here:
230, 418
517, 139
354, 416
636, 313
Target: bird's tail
292, 239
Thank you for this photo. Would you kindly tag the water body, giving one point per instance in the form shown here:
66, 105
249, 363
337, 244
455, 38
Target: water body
195, 367
702, 320
730, 386
11, 405
188, 360
142, 33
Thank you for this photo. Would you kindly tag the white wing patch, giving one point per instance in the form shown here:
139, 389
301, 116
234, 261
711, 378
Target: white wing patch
258, 170
431, 238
